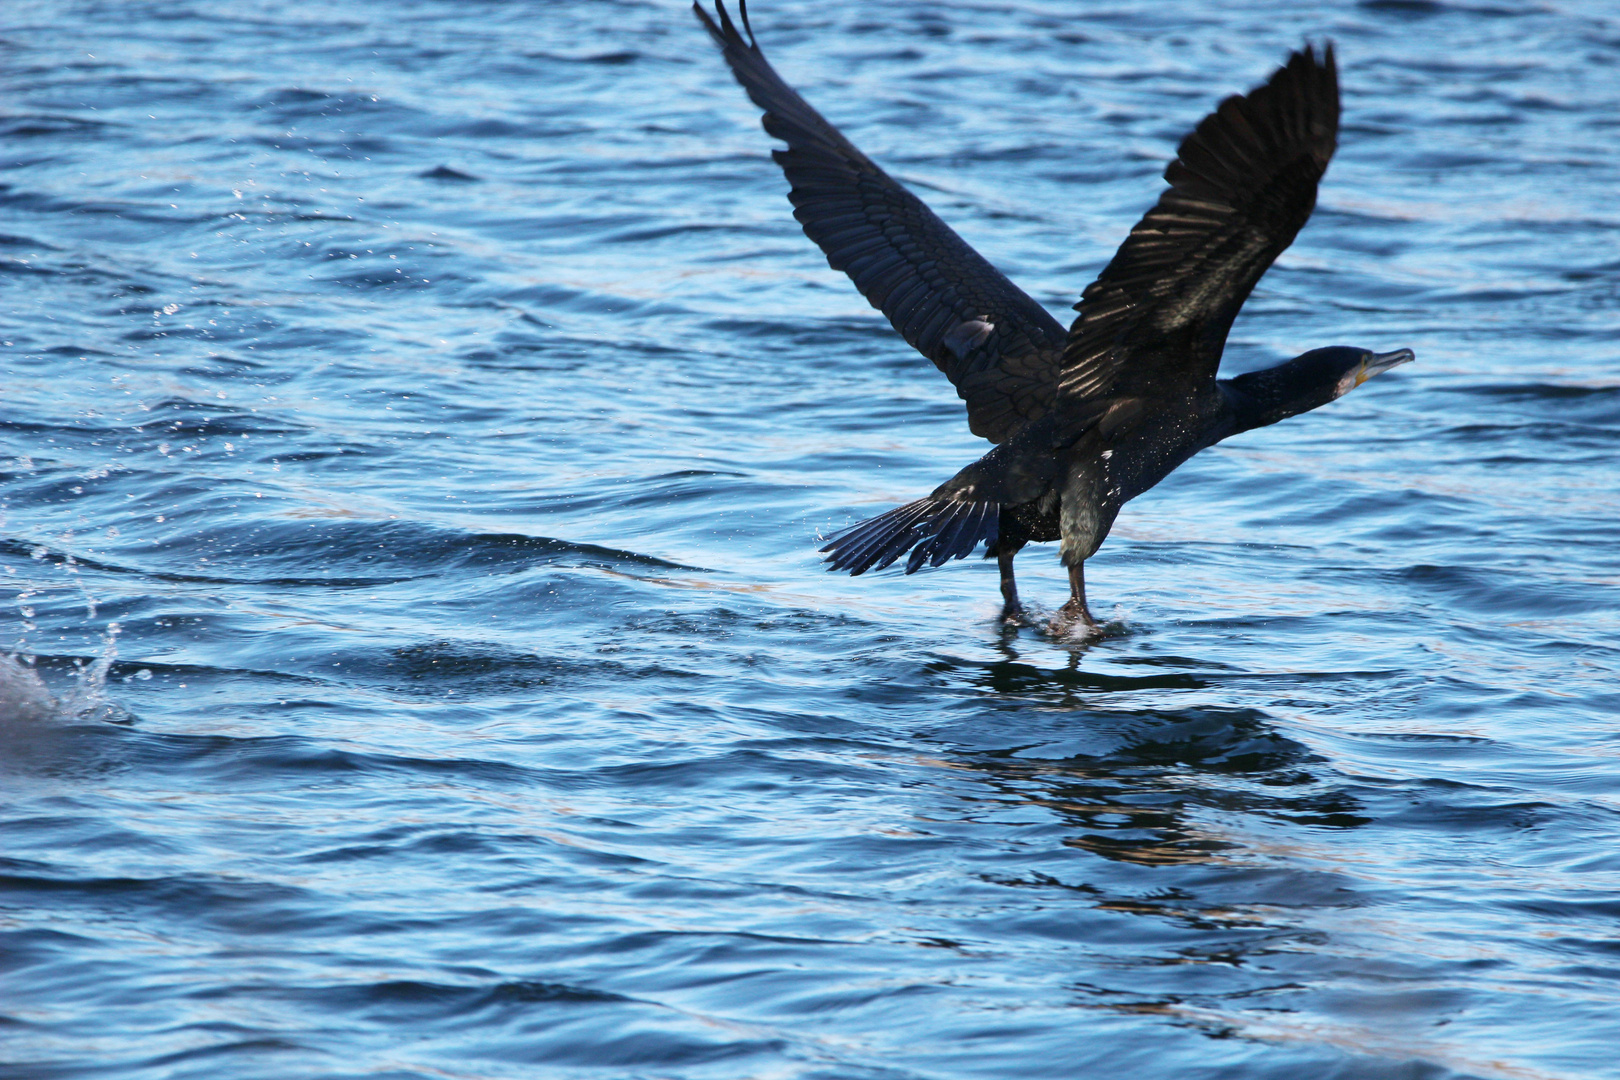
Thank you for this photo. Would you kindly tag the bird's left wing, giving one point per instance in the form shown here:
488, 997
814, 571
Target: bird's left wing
1154, 323
997, 345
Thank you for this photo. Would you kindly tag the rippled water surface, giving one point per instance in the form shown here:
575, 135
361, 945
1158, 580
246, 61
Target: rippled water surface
417, 424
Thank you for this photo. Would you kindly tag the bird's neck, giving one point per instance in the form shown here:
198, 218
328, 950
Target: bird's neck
1260, 398
1246, 410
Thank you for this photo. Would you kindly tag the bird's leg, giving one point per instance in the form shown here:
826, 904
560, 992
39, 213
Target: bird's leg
1011, 609
1076, 607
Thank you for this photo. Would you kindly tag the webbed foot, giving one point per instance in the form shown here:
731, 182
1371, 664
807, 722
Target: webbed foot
1075, 613
1072, 617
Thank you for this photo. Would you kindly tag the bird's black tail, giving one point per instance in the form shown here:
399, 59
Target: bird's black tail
932, 530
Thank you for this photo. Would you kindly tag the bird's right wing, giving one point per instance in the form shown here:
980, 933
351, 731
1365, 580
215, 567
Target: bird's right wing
999, 347
1154, 323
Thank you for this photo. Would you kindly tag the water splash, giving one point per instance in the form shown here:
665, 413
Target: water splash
23, 697
88, 699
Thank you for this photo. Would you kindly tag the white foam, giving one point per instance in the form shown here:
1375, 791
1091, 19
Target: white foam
23, 697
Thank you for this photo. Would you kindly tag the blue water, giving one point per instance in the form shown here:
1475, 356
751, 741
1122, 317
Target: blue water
418, 421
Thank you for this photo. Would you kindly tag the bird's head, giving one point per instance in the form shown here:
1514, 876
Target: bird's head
1356, 366
1307, 381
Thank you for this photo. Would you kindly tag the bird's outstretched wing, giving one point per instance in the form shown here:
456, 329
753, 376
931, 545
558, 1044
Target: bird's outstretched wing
1243, 184
997, 345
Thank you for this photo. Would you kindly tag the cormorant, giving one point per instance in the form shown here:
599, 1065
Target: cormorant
1088, 419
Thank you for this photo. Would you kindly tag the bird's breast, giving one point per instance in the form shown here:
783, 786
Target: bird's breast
1152, 449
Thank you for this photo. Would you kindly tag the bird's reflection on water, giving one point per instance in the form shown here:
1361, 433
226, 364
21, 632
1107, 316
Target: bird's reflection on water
1147, 779
1167, 814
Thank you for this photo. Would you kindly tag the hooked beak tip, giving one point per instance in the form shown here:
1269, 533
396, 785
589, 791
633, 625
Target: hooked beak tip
1377, 363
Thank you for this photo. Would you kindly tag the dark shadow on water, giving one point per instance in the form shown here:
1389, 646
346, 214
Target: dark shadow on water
1150, 822
1014, 677
1135, 784
1149, 801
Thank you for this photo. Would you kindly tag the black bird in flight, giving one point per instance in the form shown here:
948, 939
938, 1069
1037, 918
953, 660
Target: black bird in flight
1084, 420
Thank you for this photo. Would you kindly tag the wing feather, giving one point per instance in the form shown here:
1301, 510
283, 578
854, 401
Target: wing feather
906, 261
1243, 184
